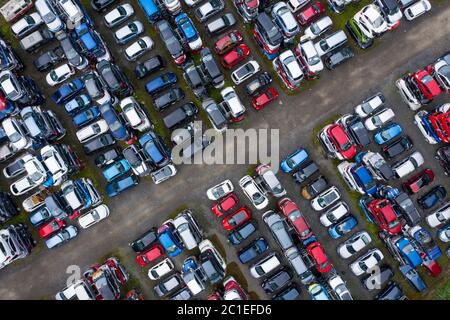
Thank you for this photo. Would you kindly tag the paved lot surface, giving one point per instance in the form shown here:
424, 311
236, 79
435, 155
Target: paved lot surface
408, 48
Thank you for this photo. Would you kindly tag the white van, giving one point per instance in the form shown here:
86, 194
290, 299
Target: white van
331, 42
265, 266
408, 165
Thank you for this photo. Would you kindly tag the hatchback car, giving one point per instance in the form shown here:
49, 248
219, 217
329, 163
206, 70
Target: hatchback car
292, 212
289, 69
245, 71
149, 66
118, 15
129, 32
118, 186
316, 251
294, 160
253, 250
379, 119
326, 198
419, 181
208, 9
227, 42
235, 56
114, 79
354, 244
225, 205
310, 13
366, 262
279, 229
433, 197
59, 74
138, 48
253, 192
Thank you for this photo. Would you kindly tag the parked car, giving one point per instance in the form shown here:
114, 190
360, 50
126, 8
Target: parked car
317, 253
354, 244
118, 186
265, 266
188, 31
220, 190
245, 71
366, 262
343, 227
149, 66
128, 32
433, 197
253, 250
253, 192
417, 9
208, 10
49, 59
227, 42
118, 15
325, 199
310, 13
291, 211
242, 233
279, 229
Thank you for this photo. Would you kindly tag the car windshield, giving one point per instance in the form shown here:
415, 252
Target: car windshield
218, 192
257, 198
315, 28
294, 215
53, 75
378, 22
15, 137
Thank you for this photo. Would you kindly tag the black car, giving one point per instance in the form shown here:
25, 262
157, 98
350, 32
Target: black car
215, 114
314, 187
149, 66
391, 292
306, 171
180, 114
292, 292
338, 57
436, 195
7, 207
195, 80
70, 157
99, 143
242, 233
211, 266
267, 30
101, 5
211, 68
49, 59
277, 281
107, 157
171, 42
257, 84
397, 147
168, 98
357, 131
144, 241
114, 78
443, 156
408, 209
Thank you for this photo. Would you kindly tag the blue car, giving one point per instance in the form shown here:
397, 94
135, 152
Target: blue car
115, 124
413, 277
67, 91
191, 264
160, 83
294, 160
39, 216
423, 237
388, 133
7, 108
364, 179
90, 41
318, 292
86, 116
253, 250
168, 240
77, 104
363, 203
117, 186
155, 150
408, 252
343, 227
188, 31
424, 118
116, 170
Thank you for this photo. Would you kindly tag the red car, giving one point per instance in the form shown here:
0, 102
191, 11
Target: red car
236, 219
233, 290
427, 84
227, 42
385, 216
316, 252
264, 98
416, 183
214, 296
441, 125
291, 211
51, 227
225, 205
433, 268
341, 141
310, 13
150, 255
235, 56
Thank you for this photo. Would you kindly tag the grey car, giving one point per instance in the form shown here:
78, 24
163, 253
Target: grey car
211, 68
279, 229
71, 51
208, 9
276, 282
168, 285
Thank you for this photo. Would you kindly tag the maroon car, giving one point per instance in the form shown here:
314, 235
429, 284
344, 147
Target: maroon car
416, 183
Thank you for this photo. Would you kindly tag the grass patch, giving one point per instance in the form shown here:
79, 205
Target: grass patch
174, 213
252, 170
6, 33
234, 270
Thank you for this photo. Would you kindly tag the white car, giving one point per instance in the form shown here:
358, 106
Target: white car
10, 85
54, 163
220, 190
334, 214
407, 95
71, 10
139, 48
440, 216
118, 15
307, 53
390, 11
285, 20
253, 192
161, 269
365, 263
354, 244
207, 245
371, 21
295, 5
26, 25
96, 89
316, 29
288, 68
369, 105
245, 71
62, 237
49, 15
444, 233
129, 32
419, 119
379, 119
417, 9
134, 114
338, 286
408, 165
16, 134
344, 169
36, 175
234, 104
163, 174
92, 131
94, 216
191, 3
270, 181
208, 9
442, 72
59, 74
326, 199
173, 6
265, 265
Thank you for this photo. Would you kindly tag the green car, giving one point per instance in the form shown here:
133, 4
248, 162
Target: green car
361, 39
